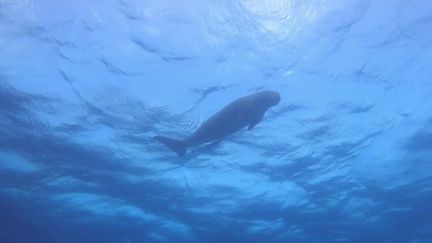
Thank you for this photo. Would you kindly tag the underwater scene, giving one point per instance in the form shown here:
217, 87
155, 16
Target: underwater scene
214, 121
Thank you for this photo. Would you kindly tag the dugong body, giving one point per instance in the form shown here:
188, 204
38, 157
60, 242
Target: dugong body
245, 111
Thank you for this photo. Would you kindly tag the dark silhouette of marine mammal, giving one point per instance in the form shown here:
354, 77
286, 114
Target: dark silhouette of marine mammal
245, 111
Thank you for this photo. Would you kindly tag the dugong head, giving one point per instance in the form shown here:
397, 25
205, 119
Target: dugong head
270, 98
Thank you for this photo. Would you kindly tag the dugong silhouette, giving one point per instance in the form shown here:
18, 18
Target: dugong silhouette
245, 111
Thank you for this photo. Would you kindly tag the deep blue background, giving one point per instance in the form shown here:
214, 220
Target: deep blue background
345, 157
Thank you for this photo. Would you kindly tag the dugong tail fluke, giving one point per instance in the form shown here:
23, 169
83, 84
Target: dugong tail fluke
178, 146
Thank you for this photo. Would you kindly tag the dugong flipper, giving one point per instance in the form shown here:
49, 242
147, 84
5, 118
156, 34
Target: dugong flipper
178, 146
246, 111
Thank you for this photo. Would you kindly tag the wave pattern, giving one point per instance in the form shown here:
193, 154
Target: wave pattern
345, 157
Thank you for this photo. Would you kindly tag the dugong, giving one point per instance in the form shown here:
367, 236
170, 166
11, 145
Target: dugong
245, 111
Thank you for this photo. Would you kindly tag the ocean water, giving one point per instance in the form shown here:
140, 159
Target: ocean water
346, 156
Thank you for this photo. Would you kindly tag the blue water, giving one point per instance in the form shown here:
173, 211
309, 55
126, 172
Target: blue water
346, 156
